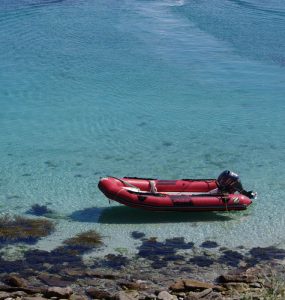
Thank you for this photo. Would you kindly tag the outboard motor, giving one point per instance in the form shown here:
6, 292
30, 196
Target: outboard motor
229, 182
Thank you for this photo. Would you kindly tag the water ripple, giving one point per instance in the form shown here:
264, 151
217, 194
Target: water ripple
252, 6
28, 4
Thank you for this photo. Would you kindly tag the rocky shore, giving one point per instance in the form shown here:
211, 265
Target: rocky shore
172, 269
140, 283
143, 277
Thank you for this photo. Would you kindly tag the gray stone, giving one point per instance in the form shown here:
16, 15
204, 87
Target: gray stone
191, 296
53, 280
73, 272
28, 290
198, 295
243, 277
214, 296
147, 296
18, 294
98, 294
34, 298
130, 295
58, 292
180, 295
249, 275
133, 285
15, 281
255, 285
237, 286
164, 295
178, 286
78, 297
101, 274
194, 285
4, 295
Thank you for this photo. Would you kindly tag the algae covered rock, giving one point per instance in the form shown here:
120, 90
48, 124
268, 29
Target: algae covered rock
15, 229
84, 242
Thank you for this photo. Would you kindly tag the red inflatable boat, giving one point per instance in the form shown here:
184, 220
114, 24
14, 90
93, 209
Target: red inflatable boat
172, 195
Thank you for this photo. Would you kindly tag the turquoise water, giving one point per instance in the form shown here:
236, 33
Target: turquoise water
166, 89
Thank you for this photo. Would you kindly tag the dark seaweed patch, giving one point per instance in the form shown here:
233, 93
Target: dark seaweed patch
18, 229
114, 261
158, 264
36, 258
260, 254
231, 258
167, 144
175, 257
64, 254
209, 244
154, 250
201, 261
137, 235
178, 243
17, 266
39, 210
151, 248
83, 242
50, 164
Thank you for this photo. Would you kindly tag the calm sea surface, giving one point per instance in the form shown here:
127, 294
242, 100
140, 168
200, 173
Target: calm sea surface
166, 89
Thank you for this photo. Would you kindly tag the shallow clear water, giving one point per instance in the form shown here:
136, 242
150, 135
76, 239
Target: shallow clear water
167, 89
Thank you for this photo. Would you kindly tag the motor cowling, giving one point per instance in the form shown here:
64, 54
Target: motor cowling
229, 182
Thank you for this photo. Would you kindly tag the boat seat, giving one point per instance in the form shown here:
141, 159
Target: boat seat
153, 188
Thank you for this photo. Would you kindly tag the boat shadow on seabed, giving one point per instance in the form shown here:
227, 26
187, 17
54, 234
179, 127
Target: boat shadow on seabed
127, 215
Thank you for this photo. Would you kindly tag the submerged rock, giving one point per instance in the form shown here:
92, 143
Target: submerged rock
202, 261
155, 250
61, 293
89, 240
53, 280
231, 258
191, 285
115, 261
164, 295
15, 280
239, 277
259, 254
4, 295
34, 298
98, 294
137, 235
209, 244
122, 295
133, 285
199, 295
240, 287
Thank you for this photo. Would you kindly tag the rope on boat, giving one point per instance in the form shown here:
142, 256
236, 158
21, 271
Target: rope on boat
225, 200
124, 182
